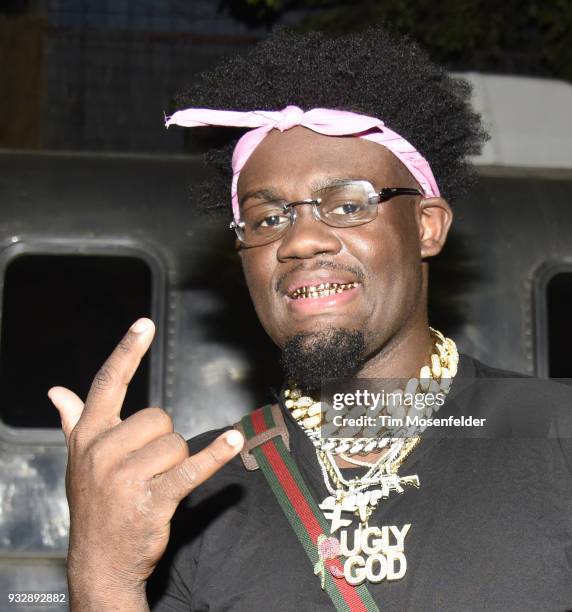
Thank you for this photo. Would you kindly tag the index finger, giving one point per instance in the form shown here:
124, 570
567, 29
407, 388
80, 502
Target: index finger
108, 389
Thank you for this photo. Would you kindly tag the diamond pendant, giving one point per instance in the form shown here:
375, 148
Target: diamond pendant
371, 553
375, 554
363, 503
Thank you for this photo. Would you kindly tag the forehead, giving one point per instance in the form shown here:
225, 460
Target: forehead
297, 158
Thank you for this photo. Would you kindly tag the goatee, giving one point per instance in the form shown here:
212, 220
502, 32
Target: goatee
309, 359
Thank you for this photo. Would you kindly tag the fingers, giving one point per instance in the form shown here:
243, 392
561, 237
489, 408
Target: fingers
107, 392
158, 456
138, 430
69, 406
178, 482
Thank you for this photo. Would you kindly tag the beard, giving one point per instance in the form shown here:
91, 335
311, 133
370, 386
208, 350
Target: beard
309, 359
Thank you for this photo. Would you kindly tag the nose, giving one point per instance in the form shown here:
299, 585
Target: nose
308, 237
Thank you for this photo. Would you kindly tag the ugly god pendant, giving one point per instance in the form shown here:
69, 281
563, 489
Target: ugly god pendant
374, 554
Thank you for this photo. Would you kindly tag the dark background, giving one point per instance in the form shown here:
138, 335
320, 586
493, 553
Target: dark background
90, 75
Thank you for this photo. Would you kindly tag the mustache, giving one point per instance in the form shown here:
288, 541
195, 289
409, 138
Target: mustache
320, 264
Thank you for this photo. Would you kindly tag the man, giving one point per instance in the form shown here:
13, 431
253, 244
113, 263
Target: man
339, 282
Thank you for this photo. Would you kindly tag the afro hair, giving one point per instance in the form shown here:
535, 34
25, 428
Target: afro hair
369, 72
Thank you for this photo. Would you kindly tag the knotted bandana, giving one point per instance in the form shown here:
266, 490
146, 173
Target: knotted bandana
321, 120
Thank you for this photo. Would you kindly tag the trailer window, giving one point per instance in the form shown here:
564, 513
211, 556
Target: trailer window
559, 307
61, 317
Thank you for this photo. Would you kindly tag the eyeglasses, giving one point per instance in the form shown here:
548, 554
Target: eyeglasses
344, 204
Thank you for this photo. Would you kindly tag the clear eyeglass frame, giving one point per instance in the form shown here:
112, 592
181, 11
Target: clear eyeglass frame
365, 197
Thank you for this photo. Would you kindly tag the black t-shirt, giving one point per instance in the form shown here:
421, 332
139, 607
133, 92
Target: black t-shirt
491, 523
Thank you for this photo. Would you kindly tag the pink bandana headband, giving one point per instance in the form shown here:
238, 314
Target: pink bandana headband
320, 120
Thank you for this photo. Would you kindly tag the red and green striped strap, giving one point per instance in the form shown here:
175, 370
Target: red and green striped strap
302, 511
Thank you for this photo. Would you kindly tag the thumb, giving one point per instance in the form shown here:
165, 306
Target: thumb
69, 406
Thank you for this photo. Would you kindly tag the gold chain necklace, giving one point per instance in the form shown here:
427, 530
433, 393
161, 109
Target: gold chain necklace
368, 546
353, 493
316, 418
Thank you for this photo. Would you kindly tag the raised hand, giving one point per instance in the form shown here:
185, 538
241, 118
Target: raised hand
124, 481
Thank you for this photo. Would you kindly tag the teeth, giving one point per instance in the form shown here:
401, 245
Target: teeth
322, 290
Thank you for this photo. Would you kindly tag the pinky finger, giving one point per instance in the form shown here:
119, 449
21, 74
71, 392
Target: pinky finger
179, 481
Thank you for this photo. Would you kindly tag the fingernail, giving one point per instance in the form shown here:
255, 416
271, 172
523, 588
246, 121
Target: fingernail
234, 438
140, 326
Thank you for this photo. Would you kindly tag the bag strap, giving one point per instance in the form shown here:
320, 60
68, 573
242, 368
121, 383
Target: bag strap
278, 429
263, 430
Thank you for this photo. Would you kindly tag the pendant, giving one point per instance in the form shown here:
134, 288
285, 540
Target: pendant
371, 553
362, 503
328, 553
376, 554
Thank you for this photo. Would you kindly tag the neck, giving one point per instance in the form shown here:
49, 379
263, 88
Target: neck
401, 356
411, 354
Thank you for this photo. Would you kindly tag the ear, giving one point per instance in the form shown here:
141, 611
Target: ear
435, 218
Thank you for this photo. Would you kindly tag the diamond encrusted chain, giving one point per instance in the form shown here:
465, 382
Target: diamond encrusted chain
361, 495
316, 418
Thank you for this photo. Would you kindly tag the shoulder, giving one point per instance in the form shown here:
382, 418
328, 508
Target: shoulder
535, 407
526, 387
270, 414
483, 370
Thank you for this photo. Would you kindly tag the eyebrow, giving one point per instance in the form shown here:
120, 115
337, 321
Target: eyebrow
266, 193
269, 194
333, 181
